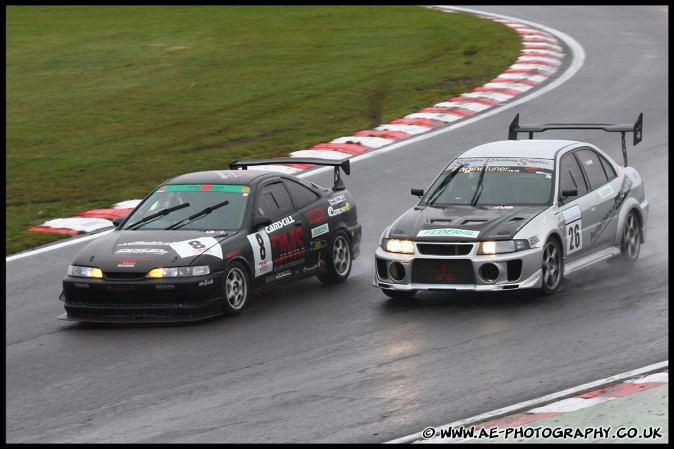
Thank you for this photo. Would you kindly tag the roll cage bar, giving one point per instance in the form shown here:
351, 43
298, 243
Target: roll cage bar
636, 130
344, 164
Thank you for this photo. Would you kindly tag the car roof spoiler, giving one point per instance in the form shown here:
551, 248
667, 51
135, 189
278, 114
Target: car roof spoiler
636, 129
344, 164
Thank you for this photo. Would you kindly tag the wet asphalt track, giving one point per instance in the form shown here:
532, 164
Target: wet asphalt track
345, 364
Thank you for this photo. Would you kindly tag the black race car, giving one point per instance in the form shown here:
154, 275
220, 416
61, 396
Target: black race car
200, 243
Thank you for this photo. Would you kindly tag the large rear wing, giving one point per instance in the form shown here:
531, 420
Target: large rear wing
344, 164
636, 129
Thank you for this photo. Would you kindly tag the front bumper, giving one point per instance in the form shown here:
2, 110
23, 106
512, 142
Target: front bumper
511, 271
142, 300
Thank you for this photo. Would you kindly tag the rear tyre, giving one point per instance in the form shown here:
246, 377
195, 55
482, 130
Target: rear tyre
630, 245
552, 267
339, 260
235, 289
399, 293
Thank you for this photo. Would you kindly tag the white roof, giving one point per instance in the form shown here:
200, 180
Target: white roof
536, 148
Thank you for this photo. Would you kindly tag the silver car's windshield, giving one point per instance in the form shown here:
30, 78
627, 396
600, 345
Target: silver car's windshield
198, 197
493, 182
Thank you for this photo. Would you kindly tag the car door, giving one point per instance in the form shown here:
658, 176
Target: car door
313, 211
278, 248
604, 188
575, 208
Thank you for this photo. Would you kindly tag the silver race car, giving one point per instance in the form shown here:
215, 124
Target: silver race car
517, 214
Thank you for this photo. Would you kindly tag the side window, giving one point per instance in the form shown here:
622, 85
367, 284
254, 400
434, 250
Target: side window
302, 196
571, 176
593, 167
608, 168
273, 201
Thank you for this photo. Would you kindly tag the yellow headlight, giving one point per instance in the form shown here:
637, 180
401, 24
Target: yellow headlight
156, 273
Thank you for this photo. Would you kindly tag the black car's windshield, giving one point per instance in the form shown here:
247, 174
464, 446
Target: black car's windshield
493, 182
199, 197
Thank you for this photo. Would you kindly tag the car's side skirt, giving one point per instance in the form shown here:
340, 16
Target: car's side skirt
591, 259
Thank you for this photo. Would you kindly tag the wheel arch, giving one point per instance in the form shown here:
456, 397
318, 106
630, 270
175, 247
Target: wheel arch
631, 204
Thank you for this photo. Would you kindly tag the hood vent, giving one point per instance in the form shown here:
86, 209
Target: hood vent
441, 221
468, 222
515, 219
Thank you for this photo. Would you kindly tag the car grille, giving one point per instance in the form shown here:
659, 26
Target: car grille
432, 271
434, 249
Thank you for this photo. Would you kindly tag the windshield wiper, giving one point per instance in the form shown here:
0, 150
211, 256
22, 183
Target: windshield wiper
478, 189
156, 215
199, 214
443, 185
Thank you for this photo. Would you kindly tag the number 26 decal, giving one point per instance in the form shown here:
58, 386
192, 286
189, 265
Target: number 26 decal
574, 236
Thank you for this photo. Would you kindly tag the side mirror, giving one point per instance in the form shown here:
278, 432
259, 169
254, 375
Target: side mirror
418, 192
260, 221
569, 192
118, 221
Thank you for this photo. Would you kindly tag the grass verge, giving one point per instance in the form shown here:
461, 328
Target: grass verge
103, 103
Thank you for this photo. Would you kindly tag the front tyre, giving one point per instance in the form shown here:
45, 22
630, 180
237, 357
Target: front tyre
235, 289
552, 267
339, 260
630, 245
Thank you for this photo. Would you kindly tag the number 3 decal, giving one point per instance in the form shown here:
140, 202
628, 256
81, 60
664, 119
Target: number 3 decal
574, 236
261, 252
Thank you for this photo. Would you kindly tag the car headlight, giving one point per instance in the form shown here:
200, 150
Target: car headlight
503, 246
176, 272
85, 272
399, 246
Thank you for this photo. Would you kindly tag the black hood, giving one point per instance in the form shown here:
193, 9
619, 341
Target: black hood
461, 223
143, 250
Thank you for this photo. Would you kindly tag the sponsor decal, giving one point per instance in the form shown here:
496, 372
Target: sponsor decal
289, 246
618, 200
205, 283
164, 286
279, 224
311, 268
571, 214
195, 247
234, 253
144, 243
544, 220
316, 215
261, 246
340, 210
205, 188
288, 265
606, 191
533, 240
77, 284
317, 244
336, 199
277, 276
157, 251
448, 232
322, 229
477, 163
